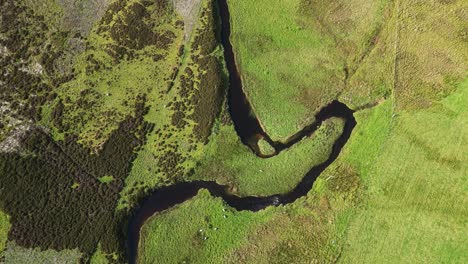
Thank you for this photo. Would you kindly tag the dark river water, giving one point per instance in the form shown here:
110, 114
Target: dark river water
248, 128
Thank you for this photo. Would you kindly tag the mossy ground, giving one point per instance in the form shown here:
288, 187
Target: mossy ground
4, 228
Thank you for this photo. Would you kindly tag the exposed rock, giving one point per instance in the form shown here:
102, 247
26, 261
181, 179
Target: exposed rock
188, 9
13, 142
34, 69
80, 15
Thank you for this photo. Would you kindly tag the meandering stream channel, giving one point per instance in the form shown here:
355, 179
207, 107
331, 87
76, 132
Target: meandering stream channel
247, 127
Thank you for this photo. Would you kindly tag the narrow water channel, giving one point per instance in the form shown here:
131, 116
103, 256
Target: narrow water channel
247, 127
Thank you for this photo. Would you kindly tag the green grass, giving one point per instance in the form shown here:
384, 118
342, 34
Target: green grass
230, 162
201, 229
4, 229
292, 63
414, 209
265, 147
106, 179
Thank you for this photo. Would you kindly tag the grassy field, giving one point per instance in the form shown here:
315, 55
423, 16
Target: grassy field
300, 56
230, 162
401, 213
414, 209
202, 229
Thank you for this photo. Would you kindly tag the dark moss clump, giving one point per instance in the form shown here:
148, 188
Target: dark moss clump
57, 116
208, 97
132, 27
178, 119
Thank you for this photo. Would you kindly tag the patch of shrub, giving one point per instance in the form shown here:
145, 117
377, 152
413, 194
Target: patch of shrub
208, 99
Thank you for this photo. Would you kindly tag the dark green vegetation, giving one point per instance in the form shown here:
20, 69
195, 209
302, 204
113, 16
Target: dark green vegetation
54, 194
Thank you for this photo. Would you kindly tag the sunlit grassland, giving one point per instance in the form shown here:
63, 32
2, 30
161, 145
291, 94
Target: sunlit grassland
293, 55
100, 257
415, 204
228, 161
201, 230
410, 207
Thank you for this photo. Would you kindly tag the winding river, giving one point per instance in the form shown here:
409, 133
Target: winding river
247, 127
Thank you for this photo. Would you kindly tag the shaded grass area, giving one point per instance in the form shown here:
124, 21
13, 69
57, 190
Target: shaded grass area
18, 255
414, 210
228, 161
53, 193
